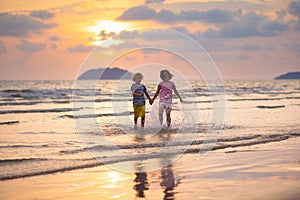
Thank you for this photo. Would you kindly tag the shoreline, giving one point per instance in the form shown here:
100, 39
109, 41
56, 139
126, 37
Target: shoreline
268, 171
219, 147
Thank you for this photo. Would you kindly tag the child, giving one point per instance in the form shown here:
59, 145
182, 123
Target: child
138, 91
164, 89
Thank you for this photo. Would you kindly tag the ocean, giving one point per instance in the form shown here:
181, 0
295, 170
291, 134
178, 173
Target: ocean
51, 126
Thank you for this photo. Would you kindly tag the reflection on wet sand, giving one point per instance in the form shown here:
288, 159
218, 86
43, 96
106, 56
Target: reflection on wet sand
169, 182
141, 185
166, 177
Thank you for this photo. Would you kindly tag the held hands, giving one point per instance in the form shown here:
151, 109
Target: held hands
151, 101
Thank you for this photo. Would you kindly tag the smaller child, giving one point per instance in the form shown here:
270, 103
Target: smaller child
164, 90
138, 91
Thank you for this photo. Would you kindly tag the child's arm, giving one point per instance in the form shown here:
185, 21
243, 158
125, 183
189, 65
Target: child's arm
137, 94
157, 92
176, 92
147, 95
149, 98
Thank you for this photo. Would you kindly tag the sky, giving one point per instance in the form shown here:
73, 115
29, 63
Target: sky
235, 39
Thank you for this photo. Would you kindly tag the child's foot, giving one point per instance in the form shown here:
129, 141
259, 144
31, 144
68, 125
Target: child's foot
163, 127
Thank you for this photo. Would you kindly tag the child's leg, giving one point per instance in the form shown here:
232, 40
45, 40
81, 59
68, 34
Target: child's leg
160, 114
168, 114
135, 120
143, 121
142, 115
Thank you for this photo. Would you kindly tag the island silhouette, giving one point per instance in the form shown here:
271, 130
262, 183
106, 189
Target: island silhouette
290, 75
105, 74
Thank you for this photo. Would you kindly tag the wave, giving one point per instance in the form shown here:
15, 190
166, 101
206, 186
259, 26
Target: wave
92, 162
103, 100
19, 103
14, 91
246, 90
221, 143
37, 94
9, 122
45, 172
40, 132
25, 103
163, 144
263, 99
20, 160
26, 146
97, 115
16, 146
263, 139
270, 107
39, 110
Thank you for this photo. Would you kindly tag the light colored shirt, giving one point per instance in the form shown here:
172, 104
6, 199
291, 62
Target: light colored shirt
165, 94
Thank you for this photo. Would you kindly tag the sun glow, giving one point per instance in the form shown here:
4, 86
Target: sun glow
108, 26
104, 31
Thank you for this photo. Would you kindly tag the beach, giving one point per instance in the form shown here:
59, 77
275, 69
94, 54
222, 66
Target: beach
52, 148
245, 174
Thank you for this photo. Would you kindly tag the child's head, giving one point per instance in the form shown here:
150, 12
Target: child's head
165, 75
137, 77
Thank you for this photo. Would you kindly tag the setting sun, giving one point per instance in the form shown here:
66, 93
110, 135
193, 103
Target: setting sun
104, 30
108, 26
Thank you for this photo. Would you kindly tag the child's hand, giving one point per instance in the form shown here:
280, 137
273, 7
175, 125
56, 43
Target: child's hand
150, 101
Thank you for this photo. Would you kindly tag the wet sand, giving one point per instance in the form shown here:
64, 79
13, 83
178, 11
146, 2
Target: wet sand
253, 172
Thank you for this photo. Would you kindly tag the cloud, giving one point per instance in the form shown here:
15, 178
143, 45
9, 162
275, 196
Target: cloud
168, 16
249, 24
20, 25
80, 48
181, 29
2, 47
251, 47
127, 45
154, 1
54, 38
30, 47
152, 34
42, 14
103, 35
211, 16
280, 14
294, 9
138, 13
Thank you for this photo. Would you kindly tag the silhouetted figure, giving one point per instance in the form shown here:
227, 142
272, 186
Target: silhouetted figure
141, 183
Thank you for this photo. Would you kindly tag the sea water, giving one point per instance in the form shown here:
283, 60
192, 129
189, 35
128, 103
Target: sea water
54, 126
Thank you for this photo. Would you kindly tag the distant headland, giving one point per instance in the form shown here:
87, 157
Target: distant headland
290, 75
105, 74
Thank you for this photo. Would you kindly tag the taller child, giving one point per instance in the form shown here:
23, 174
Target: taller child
138, 91
164, 90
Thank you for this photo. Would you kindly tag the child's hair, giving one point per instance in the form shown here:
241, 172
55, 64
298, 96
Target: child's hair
136, 75
165, 71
